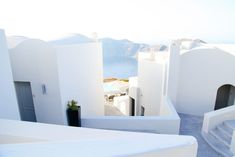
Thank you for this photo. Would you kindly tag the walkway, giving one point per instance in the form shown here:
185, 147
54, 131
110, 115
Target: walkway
111, 110
191, 125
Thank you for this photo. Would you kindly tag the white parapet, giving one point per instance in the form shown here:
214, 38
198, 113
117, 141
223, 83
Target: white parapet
28, 139
214, 118
167, 108
166, 123
123, 104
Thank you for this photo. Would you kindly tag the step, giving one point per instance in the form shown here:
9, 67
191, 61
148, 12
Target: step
220, 137
222, 128
230, 126
216, 145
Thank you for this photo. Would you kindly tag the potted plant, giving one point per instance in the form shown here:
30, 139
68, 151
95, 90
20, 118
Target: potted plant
74, 113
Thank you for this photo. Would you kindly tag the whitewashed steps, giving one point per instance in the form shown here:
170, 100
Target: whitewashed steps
220, 137
230, 126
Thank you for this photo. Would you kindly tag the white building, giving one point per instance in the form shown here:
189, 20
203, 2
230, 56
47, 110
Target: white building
148, 89
201, 77
8, 101
195, 76
46, 77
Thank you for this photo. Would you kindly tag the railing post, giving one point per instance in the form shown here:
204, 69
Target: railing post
232, 145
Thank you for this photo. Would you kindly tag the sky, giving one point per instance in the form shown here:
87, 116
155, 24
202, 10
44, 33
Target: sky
147, 21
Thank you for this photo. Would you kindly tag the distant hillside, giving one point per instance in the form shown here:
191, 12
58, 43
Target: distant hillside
120, 48
111, 47
71, 39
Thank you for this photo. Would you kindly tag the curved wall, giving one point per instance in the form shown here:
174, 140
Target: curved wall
202, 72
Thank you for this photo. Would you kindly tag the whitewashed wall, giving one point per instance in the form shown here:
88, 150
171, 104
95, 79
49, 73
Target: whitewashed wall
173, 72
8, 102
81, 77
68, 72
54, 140
35, 61
168, 122
168, 109
202, 72
152, 124
151, 85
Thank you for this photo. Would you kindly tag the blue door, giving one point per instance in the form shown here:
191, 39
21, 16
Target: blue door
25, 101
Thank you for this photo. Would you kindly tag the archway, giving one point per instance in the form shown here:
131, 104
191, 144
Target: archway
225, 96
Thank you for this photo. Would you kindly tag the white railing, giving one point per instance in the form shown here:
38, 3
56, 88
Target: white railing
167, 123
214, 118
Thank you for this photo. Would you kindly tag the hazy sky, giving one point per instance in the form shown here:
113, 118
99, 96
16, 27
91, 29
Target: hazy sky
138, 20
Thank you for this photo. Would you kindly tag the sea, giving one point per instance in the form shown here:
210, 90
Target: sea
120, 67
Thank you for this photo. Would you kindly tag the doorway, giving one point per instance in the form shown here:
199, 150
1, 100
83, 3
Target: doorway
225, 96
132, 106
25, 101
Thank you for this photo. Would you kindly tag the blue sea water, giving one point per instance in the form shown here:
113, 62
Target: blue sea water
120, 67
109, 88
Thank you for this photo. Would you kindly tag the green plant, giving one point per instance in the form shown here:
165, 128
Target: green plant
72, 105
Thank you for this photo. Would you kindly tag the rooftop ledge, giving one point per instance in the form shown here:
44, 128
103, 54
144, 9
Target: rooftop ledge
158, 57
56, 140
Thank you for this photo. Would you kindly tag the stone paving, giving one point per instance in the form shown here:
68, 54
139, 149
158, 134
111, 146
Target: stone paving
191, 125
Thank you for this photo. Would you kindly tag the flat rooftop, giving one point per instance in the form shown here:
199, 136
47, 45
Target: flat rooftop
57, 140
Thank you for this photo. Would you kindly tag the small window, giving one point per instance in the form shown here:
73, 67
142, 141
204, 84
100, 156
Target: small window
142, 111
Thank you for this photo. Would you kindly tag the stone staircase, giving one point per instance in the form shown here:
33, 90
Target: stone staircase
220, 137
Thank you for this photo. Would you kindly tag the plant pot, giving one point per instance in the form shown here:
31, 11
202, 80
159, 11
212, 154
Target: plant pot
74, 117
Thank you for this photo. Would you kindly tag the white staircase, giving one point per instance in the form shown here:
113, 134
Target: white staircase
220, 137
